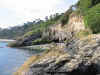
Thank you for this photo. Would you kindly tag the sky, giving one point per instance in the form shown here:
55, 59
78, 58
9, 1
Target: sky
17, 12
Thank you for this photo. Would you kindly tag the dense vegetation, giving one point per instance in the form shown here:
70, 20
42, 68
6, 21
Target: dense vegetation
34, 35
90, 9
13, 32
92, 20
85, 5
65, 18
38, 28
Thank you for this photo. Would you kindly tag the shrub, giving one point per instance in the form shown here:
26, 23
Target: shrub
92, 19
33, 32
41, 41
85, 5
65, 17
94, 2
83, 33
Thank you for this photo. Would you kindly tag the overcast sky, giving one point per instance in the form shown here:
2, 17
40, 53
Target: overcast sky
16, 12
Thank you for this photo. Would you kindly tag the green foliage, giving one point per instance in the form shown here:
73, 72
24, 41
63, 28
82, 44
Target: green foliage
83, 33
42, 25
65, 17
30, 33
14, 32
84, 6
94, 2
40, 41
92, 19
90, 9
33, 32
36, 27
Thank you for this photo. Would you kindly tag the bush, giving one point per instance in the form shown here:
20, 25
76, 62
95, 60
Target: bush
65, 17
40, 41
85, 5
83, 33
33, 32
94, 2
92, 19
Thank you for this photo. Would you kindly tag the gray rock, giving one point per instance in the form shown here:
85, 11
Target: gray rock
84, 59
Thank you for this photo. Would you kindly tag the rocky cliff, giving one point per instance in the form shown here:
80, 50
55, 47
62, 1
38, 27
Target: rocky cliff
60, 33
80, 56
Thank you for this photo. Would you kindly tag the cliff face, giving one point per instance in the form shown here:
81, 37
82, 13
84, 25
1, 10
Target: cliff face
61, 33
75, 23
57, 33
80, 56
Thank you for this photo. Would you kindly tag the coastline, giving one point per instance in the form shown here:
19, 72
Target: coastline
44, 46
7, 40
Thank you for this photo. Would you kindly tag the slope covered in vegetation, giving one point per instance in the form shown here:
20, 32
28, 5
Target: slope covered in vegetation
44, 31
37, 25
90, 9
34, 35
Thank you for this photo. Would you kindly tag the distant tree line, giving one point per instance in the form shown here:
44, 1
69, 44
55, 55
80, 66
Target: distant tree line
37, 25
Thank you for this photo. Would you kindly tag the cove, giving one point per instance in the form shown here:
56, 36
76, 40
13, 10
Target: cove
12, 58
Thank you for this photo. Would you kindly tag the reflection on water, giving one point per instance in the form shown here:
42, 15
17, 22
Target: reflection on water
11, 58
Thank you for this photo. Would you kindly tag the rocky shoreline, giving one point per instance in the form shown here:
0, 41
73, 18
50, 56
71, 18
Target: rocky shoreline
80, 54
81, 57
43, 46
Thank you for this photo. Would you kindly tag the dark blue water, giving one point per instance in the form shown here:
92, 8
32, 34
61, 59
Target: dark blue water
11, 59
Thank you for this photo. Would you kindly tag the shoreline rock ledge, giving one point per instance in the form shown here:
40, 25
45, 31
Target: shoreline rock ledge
80, 57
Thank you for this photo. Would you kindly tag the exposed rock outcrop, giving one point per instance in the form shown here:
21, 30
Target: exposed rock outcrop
80, 57
75, 23
56, 33
60, 33
24, 41
43, 47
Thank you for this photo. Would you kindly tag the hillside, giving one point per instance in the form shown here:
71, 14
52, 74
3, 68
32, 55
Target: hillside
36, 35
28, 28
77, 30
14, 32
